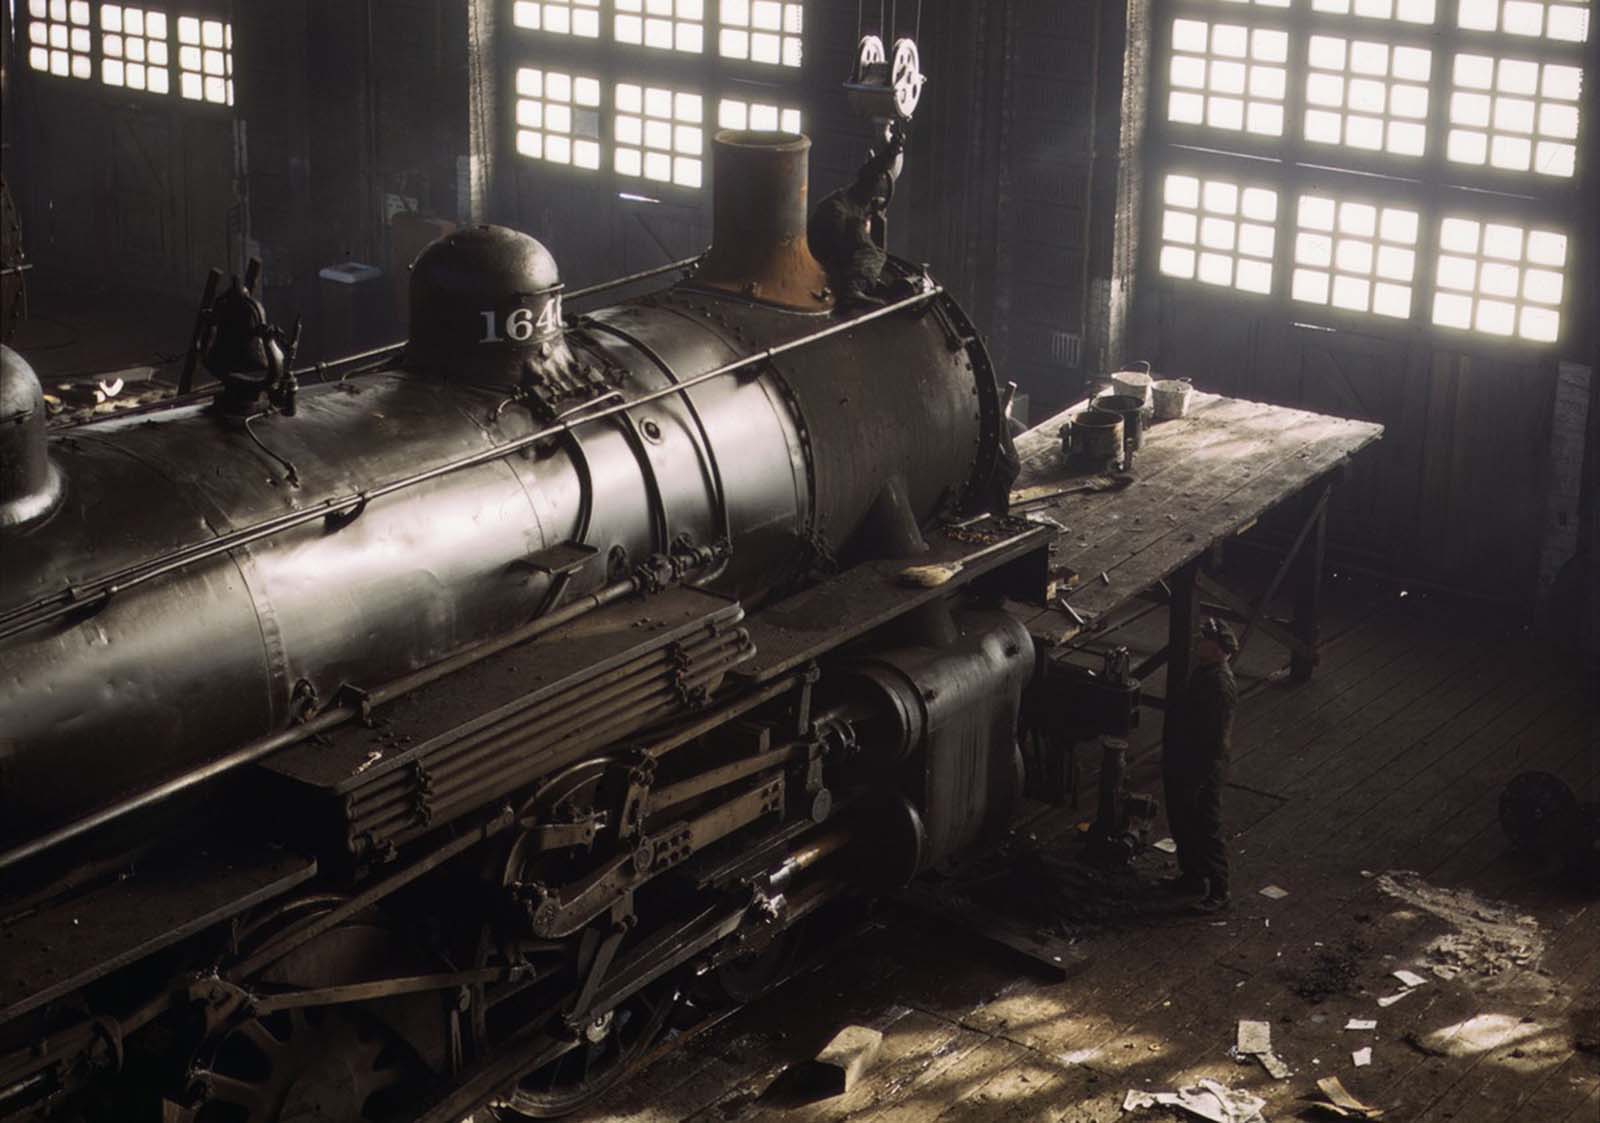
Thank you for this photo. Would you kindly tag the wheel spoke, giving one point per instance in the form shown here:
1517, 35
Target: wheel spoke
232, 1090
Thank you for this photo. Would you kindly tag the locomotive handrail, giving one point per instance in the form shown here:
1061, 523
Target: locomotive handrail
384, 351
94, 594
604, 286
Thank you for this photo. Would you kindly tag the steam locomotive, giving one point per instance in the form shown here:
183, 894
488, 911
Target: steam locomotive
449, 734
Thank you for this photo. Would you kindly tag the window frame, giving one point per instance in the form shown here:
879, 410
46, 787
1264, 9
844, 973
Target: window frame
95, 85
1432, 185
613, 62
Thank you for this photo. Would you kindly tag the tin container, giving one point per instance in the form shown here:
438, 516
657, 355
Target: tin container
1132, 383
1171, 398
1093, 439
1131, 410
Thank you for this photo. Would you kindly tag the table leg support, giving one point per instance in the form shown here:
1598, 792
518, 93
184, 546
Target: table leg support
1308, 595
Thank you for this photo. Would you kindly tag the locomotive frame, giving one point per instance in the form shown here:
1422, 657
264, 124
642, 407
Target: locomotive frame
499, 873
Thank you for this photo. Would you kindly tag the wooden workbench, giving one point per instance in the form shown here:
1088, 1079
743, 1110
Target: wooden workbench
1198, 481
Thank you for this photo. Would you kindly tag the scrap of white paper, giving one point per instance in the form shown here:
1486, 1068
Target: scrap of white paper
1167, 845
1274, 892
1391, 999
1361, 1023
1362, 1057
1409, 978
1274, 1066
1255, 1037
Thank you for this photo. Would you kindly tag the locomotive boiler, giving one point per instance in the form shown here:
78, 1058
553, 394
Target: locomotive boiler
454, 732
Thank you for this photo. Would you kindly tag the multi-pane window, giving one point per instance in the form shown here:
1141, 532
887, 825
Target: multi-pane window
133, 48
1228, 76
1444, 139
1407, 11
1367, 94
559, 17
657, 134
667, 25
205, 60
737, 113
558, 117
760, 30
714, 64
1500, 278
1515, 114
1218, 232
1354, 255
1566, 22
59, 41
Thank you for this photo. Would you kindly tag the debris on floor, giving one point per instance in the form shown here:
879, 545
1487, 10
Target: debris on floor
842, 1061
1341, 1103
1274, 892
1255, 1037
1335, 969
1361, 1023
1489, 938
1362, 1057
1254, 1040
1206, 1099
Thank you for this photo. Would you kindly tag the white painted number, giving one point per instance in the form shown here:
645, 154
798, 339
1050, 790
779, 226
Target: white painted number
521, 325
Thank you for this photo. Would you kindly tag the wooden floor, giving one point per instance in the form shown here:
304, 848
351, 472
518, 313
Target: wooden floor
1392, 759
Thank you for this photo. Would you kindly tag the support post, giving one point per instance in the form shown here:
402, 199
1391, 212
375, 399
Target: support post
1308, 593
1180, 647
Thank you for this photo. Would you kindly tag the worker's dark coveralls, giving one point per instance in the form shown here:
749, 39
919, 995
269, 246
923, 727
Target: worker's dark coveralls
839, 230
1194, 768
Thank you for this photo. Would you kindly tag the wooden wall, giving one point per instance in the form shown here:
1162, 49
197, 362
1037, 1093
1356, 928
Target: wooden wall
121, 187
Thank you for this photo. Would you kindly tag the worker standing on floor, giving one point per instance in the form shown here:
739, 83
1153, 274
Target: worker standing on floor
1194, 768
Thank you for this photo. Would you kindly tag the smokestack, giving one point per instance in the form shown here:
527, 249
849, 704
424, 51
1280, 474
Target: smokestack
758, 244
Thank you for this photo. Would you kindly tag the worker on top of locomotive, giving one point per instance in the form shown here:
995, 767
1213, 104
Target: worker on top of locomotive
847, 230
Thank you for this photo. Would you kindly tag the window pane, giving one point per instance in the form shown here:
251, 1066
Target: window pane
1228, 76
765, 31
1355, 255
558, 118
1362, 94
1206, 234
658, 134
1524, 119
1500, 278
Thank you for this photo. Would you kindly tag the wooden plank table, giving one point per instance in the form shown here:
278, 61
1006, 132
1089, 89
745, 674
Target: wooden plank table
1198, 481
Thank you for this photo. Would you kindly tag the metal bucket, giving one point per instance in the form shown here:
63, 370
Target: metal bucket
1171, 398
1134, 383
1094, 438
1131, 410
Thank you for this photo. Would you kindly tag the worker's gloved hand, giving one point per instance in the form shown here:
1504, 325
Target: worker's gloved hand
854, 296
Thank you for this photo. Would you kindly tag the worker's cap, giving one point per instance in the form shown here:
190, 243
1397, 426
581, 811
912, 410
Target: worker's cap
1215, 630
